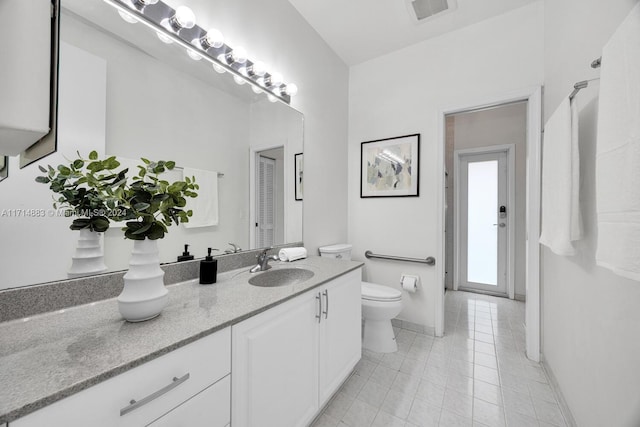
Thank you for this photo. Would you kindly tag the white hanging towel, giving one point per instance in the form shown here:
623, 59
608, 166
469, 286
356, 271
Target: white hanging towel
618, 151
205, 206
561, 217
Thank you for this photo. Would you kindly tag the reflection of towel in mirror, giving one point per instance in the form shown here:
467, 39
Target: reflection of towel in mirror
618, 151
205, 206
292, 254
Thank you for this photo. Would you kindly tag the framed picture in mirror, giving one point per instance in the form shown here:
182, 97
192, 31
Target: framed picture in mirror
299, 166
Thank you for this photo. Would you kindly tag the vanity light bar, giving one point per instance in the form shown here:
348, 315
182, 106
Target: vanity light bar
179, 26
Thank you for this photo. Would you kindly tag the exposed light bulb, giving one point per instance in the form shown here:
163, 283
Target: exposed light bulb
239, 55
276, 79
213, 38
219, 69
127, 17
256, 89
239, 80
164, 38
272, 98
258, 69
291, 89
194, 55
183, 18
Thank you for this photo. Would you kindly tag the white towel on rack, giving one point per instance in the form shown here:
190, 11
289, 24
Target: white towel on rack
205, 206
618, 151
561, 218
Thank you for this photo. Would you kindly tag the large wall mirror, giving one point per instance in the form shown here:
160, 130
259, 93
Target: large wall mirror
124, 92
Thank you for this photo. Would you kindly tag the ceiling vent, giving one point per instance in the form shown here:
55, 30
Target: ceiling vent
424, 10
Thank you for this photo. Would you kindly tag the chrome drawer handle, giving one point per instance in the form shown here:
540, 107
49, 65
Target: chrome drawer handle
319, 315
135, 404
326, 309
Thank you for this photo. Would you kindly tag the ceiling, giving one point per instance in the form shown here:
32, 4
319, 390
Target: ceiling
360, 30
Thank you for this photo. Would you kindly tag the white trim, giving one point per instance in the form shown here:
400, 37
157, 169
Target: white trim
510, 150
533, 96
555, 387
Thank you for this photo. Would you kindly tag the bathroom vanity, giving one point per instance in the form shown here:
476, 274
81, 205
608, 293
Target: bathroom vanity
229, 353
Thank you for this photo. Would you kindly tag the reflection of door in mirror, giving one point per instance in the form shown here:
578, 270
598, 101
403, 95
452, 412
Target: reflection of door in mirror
270, 197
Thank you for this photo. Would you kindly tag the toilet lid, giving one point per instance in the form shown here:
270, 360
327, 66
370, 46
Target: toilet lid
371, 291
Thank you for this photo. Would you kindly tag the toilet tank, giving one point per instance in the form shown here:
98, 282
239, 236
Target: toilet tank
340, 251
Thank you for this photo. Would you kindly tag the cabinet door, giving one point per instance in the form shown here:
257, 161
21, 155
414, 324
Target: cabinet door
275, 366
340, 332
209, 408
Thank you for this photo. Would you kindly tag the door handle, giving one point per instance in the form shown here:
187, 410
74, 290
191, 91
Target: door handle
319, 315
326, 309
502, 225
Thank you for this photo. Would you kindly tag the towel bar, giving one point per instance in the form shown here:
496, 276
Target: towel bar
428, 260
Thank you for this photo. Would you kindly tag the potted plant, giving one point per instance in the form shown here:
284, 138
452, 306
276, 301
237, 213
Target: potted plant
81, 186
149, 205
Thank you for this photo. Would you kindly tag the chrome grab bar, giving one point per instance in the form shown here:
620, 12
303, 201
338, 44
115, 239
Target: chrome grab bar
428, 260
135, 404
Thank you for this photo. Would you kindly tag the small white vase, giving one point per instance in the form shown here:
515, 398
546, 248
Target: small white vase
88, 258
144, 294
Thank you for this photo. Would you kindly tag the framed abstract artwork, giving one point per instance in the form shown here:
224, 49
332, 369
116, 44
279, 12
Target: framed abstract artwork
390, 167
297, 173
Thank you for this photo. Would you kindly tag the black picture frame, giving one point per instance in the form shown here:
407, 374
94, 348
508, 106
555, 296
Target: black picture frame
298, 169
390, 167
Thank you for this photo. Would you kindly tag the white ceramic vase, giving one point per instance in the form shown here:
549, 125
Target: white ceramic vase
88, 258
144, 294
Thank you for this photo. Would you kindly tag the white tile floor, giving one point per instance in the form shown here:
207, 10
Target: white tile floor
477, 375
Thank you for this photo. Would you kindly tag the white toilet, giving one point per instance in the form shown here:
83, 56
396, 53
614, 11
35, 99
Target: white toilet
380, 304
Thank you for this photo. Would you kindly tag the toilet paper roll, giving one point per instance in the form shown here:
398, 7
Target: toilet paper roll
409, 283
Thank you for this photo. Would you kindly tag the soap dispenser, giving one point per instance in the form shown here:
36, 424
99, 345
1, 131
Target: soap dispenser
186, 256
208, 269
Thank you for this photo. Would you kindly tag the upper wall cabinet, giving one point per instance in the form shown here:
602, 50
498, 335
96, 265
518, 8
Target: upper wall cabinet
25, 83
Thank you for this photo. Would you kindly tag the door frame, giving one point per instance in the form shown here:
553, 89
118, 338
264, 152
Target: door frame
533, 96
254, 152
510, 149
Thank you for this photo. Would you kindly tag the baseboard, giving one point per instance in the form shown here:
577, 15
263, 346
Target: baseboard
414, 327
520, 297
555, 386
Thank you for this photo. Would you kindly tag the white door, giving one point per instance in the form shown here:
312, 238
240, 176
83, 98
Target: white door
275, 365
265, 214
340, 332
483, 221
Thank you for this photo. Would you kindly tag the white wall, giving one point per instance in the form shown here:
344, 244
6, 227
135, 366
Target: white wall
274, 32
591, 317
495, 126
403, 93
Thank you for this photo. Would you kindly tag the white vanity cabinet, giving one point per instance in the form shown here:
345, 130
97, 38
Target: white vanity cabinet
186, 387
288, 361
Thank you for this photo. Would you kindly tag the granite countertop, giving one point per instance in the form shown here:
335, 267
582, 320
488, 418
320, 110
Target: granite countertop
53, 355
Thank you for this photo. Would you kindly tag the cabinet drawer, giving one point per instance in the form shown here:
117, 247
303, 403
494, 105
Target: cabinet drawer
209, 408
196, 365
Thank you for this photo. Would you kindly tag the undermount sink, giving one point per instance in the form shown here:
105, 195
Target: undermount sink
281, 277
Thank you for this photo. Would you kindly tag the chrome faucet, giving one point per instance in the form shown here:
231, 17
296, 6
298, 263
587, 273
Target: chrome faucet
233, 250
263, 261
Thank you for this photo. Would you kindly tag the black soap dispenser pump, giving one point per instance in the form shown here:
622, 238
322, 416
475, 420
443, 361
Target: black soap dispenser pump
186, 256
208, 269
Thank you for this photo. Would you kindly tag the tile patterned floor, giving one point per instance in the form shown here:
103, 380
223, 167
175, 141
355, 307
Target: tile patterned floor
477, 375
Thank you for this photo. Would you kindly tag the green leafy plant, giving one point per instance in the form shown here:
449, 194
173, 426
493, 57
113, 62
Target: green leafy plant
86, 189
153, 203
